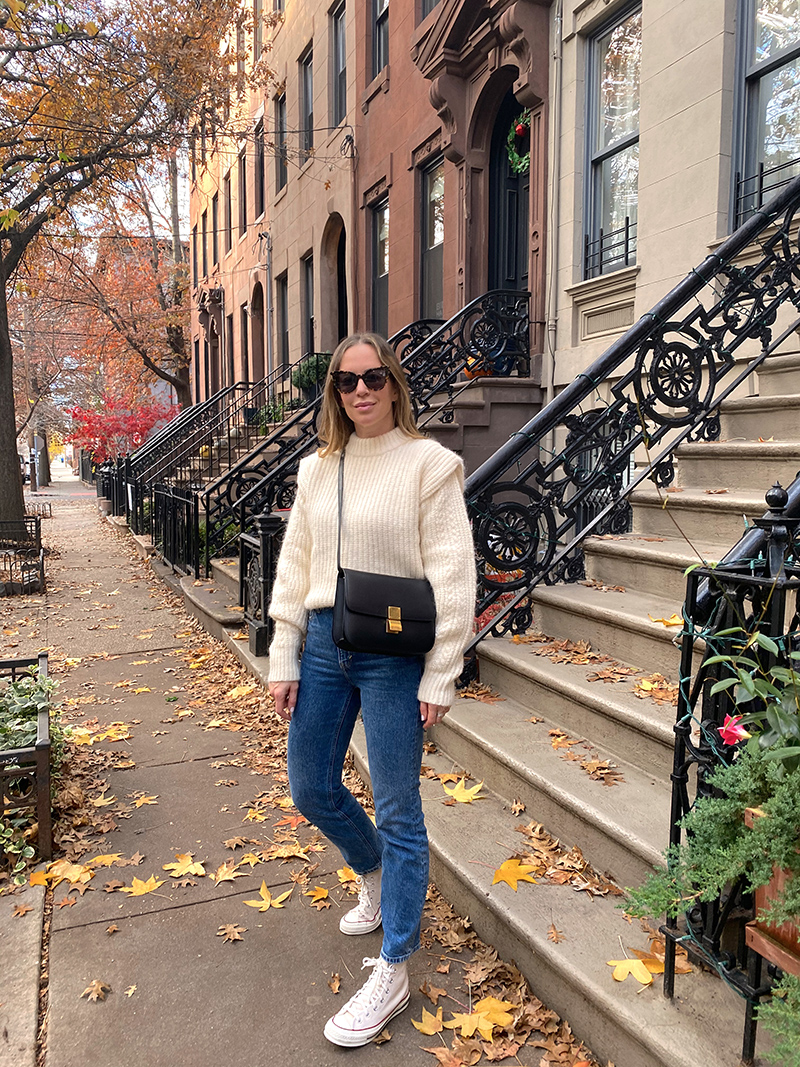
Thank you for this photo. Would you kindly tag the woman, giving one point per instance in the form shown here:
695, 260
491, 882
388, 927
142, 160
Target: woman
404, 514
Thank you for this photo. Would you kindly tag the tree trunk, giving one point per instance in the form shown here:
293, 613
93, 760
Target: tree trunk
183, 387
12, 504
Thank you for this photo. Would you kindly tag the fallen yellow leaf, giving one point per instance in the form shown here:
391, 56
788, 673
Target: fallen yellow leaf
138, 888
461, 793
430, 1024
185, 864
267, 900
513, 871
622, 968
240, 691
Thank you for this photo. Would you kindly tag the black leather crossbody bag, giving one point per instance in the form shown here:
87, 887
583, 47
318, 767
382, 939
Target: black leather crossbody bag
381, 613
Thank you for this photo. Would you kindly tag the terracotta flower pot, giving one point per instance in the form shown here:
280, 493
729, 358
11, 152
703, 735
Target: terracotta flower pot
778, 944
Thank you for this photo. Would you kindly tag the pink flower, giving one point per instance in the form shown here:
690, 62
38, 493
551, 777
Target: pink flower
732, 730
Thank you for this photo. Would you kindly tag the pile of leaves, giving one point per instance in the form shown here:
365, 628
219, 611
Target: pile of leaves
492, 1012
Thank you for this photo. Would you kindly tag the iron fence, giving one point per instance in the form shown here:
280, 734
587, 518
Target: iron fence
753, 590
177, 534
25, 772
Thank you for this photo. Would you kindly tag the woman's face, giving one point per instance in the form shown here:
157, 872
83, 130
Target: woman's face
372, 412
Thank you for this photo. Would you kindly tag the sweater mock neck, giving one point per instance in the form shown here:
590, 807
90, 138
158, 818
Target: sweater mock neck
376, 446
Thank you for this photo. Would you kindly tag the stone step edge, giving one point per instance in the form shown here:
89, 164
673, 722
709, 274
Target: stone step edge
738, 449
194, 595
543, 964
656, 551
591, 694
614, 613
578, 803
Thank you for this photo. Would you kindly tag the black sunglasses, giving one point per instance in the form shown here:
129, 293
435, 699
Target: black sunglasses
375, 378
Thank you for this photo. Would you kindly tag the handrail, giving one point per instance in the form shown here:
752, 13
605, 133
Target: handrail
567, 472
188, 415
256, 394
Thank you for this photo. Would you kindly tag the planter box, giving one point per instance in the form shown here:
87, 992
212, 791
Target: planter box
25, 772
778, 944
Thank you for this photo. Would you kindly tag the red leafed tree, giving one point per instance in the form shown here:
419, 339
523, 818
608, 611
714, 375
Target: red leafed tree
115, 428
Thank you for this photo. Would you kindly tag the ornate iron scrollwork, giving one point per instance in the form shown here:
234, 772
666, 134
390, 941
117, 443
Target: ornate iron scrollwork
569, 471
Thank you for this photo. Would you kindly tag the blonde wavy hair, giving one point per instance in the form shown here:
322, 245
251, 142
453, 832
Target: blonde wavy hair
334, 425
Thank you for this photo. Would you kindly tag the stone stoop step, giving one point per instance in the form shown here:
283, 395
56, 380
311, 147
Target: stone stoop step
619, 828
694, 513
212, 604
634, 730
225, 573
740, 465
650, 564
619, 624
618, 1021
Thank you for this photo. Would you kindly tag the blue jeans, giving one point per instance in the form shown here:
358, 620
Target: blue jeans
333, 686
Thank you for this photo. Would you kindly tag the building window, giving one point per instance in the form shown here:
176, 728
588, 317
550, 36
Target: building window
229, 370
259, 169
240, 51
195, 272
613, 126
193, 152
380, 268
433, 241
380, 36
280, 143
258, 32
770, 110
277, 5
242, 193
196, 371
306, 106
215, 229
244, 341
339, 66
204, 242
282, 308
428, 6
307, 266
228, 211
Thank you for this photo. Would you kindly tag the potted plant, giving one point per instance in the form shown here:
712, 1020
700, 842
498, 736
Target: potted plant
748, 826
32, 744
310, 373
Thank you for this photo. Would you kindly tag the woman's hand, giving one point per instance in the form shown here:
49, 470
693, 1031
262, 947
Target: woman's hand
431, 714
285, 696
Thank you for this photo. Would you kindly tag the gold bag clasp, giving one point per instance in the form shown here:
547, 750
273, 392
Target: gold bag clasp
394, 624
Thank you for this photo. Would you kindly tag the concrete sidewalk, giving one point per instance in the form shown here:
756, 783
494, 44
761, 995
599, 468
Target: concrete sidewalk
204, 761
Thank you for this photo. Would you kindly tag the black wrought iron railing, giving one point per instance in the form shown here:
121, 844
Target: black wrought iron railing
753, 190
610, 250
754, 588
534, 502
169, 437
217, 442
177, 533
488, 336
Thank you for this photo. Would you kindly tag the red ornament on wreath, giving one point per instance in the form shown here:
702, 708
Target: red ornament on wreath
520, 127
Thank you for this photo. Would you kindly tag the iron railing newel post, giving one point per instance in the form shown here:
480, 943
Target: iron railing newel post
258, 558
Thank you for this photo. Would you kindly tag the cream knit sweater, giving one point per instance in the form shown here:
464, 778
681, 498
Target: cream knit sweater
403, 514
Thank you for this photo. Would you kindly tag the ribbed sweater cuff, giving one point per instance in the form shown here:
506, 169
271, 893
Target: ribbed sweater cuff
284, 663
436, 691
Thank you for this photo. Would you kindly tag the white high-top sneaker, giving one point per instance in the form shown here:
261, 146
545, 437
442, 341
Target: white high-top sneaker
383, 995
366, 915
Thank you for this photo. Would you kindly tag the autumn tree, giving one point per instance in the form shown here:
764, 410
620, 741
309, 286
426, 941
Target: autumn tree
123, 280
88, 90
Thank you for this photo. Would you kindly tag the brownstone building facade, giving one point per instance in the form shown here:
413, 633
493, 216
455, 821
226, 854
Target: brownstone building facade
369, 186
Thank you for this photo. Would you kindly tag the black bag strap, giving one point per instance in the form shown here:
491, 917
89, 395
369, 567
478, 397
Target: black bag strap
341, 496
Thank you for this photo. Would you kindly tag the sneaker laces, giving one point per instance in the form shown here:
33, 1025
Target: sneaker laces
374, 989
364, 896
